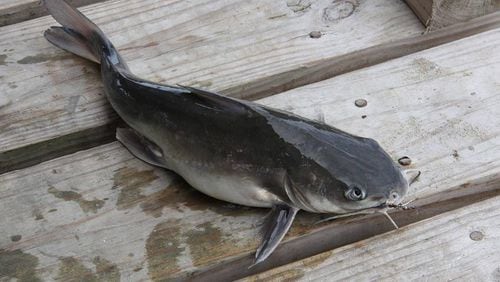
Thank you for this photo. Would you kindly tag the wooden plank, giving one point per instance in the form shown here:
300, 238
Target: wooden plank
458, 245
207, 44
461, 244
14, 11
436, 14
110, 205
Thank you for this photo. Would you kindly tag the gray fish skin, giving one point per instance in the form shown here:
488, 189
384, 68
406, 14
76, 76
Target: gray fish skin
224, 147
234, 150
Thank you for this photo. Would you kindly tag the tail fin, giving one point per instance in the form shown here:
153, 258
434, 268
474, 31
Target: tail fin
71, 41
78, 34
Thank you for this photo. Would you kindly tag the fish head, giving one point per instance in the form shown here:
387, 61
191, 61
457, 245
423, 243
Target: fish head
342, 173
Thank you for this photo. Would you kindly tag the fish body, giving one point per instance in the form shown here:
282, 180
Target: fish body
235, 150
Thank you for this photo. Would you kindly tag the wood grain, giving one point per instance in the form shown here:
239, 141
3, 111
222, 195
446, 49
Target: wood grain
102, 212
436, 14
215, 45
15, 11
458, 245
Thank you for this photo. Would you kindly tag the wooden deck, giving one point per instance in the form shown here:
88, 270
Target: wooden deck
75, 204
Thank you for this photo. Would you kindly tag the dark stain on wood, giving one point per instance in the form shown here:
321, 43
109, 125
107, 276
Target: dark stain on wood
16, 238
208, 244
85, 205
2, 59
72, 269
162, 249
40, 58
16, 264
106, 270
130, 181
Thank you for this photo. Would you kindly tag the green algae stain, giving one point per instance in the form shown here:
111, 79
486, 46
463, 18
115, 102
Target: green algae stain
162, 249
71, 269
19, 265
130, 181
85, 205
105, 270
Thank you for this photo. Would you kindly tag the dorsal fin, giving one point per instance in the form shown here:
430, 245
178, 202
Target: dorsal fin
217, 101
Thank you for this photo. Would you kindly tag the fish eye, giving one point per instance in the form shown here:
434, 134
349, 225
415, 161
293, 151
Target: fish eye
355, 194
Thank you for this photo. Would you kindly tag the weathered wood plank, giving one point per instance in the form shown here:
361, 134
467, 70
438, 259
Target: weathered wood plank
116, 205
461, 244
14, 11
212, 44
436, 14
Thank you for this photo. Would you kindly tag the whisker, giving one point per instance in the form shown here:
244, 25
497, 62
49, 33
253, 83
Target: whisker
390, 218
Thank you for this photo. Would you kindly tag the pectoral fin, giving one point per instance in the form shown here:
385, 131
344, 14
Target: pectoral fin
141, 147
278, 222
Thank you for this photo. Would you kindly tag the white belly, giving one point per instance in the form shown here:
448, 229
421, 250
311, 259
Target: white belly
238, 190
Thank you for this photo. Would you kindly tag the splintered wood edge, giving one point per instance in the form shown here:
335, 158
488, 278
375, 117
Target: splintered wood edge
310, 73
473, 223
27, 10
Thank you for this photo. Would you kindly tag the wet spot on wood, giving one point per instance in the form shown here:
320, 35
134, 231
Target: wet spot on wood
207, 243
2, 59
181, 194
40, 58
299, 6
162, 249
18, 265
72, 269
72, 104
12, 85
130, 181
85, 205
105, 270
339, 9
16, 238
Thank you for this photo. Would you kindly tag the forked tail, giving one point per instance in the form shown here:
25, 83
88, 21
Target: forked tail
78, 34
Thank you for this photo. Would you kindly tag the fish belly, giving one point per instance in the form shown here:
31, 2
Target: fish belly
238, 190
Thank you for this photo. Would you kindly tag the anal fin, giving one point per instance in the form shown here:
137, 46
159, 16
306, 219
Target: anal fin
277, 225
141, 147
